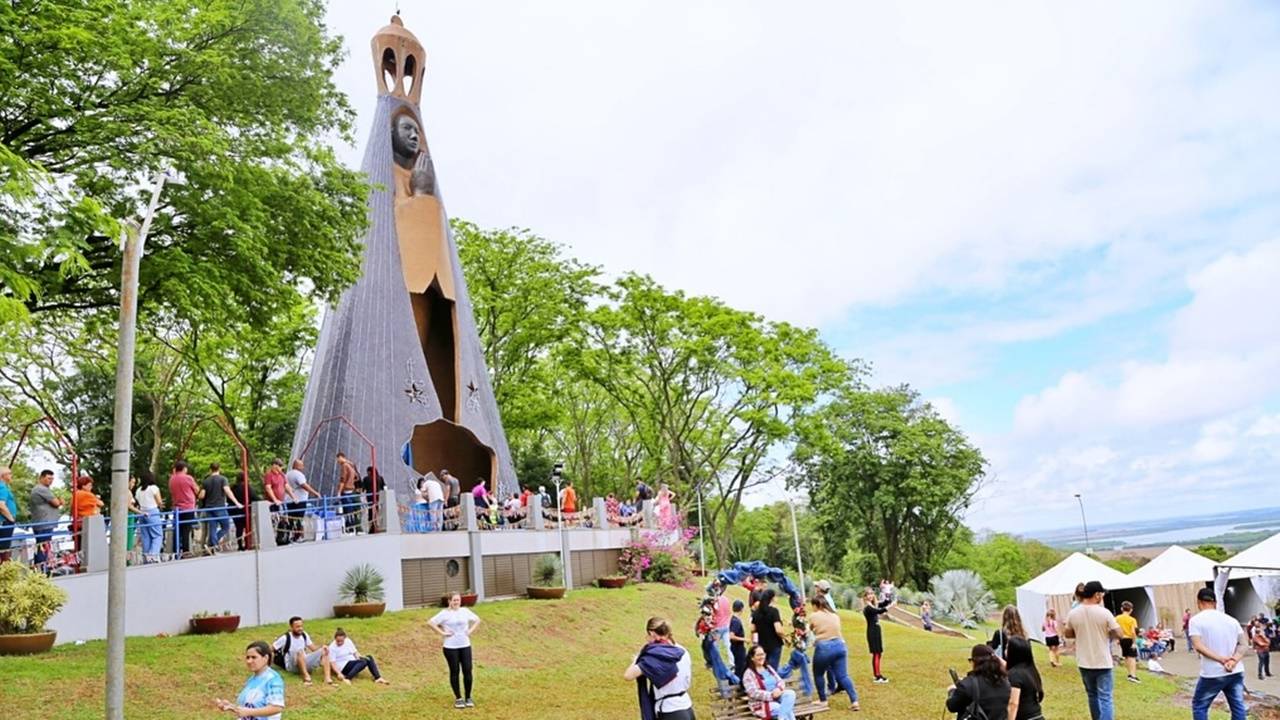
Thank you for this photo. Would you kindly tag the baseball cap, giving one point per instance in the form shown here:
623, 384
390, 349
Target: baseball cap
1206, 595
823, 585
1093, 587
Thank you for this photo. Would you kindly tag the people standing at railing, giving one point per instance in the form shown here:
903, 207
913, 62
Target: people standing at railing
151, 524
372, 485
525, 494
215, 499
512, 510
348, 495
278, 493
45, 510
611, 506
8, 512
666, 510
182, 493
241, 489
546, 499
568, 498
84, 502
433, 496
299, 490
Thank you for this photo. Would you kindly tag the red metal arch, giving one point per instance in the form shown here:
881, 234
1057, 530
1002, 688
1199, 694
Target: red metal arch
223, 425
61, 435
373, 454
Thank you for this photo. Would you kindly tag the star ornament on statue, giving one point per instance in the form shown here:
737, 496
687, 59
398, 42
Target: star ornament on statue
413, 390
473, 397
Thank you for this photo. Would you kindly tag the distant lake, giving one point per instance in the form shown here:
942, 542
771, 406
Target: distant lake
1182, 535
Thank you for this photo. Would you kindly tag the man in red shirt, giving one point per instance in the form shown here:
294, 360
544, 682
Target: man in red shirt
524, 496
182, 491
277, 491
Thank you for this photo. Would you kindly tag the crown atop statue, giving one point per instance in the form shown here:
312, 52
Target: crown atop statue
399, 61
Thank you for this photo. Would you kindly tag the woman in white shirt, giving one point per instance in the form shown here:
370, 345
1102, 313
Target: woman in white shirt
455, 625
347, 661
665, 672
150, 503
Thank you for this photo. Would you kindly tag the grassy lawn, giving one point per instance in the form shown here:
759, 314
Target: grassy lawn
557, 659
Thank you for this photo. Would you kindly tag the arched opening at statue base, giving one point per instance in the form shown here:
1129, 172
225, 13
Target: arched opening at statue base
444, 445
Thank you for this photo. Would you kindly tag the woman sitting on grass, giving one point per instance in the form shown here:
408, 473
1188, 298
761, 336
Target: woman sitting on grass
765, 688
263, 694
985, 685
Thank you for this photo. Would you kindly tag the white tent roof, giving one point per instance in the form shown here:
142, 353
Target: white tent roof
1061, 579
1175, 565
1263, 557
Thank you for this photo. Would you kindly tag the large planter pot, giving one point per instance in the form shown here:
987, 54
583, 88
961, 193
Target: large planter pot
467, 599
359, 610
28, 644
215, 624
611, 582
544, 593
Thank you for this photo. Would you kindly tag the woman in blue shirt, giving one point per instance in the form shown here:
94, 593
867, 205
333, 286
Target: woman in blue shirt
263, 693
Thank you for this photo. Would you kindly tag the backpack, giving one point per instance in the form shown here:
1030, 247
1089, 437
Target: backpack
974, 711
279, 654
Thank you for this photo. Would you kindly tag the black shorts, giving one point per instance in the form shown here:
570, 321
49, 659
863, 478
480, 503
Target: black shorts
1127, 649
1052, 641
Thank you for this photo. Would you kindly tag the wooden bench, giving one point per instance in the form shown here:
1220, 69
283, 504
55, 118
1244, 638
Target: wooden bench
736, 708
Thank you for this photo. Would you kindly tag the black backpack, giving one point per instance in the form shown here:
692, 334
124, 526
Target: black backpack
279, 654
974, 711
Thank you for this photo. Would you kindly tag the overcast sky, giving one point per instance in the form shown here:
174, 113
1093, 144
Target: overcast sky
1059, 221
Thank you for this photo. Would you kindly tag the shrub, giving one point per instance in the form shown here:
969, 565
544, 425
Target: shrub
27, 599
654, 558
362, 584
961, 595
547, 572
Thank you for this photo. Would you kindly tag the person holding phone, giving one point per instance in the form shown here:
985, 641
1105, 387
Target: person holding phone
263, 693
985, 686
872, 610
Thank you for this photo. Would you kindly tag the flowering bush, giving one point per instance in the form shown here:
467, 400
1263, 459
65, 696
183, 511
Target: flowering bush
658, 557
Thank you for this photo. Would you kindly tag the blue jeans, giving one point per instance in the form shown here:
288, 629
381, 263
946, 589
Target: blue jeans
152, 527
1232, 686
784, 708
1098, 685
435, 516
798, 662
219, 524
833, 656
773, 657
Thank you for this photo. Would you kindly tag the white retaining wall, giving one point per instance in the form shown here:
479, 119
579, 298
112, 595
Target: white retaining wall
267, 586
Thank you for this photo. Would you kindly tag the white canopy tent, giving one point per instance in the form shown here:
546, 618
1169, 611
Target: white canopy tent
1172, 580
1249, 582
1055, 588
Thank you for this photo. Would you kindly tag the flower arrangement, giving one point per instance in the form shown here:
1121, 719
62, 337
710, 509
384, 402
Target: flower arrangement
655, 557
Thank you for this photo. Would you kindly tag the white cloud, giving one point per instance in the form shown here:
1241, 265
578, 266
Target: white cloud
804, 161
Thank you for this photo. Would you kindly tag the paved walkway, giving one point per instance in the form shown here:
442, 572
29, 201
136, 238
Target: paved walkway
1187, 664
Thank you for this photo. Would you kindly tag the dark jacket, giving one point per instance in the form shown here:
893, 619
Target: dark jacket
992, 698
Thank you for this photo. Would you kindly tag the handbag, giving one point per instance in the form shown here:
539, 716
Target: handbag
974, 711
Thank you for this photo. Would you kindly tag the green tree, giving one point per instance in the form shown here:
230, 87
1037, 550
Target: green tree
235, 95
1216, 553
527, 298
882, 467
1003, 561
708, 390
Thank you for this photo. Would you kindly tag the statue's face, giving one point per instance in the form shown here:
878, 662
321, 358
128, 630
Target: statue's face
406, 138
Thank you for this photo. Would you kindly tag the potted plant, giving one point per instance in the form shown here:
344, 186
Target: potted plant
208, 623
27, 600
467, 596
362, 588
547, 582
611, 581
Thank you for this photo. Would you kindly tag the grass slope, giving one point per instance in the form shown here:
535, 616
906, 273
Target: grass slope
557, 659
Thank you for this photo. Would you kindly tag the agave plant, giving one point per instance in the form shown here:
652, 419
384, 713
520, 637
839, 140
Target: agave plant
961, 595
362, 584
547, 572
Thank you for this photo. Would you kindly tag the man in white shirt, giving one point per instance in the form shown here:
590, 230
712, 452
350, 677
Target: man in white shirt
297, 486
433, 493
1221, 643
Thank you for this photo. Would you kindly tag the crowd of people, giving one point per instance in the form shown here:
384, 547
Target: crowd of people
198, 516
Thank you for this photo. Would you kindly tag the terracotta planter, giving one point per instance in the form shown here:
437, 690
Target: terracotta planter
467, 599
28, 644
359, 610
611, 582
544, 593
215, 624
